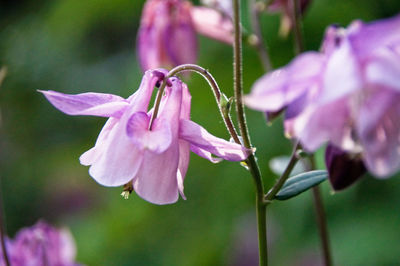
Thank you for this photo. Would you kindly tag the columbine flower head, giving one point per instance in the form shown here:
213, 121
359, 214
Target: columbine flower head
153, 162
41, 245
347, 95
166, 36
167, 33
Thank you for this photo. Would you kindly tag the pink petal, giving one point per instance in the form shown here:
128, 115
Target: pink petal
279, 88
378, 126
91, 156
384, 69
180, 39
212, 24
119, 159
96, 104
184, 146
157, 140
156, 180
329, 122
366, 37
115, 160
342, 75
184, 157
199, 137
205, 154
158, 177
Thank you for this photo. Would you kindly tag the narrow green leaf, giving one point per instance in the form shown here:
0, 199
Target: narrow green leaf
300, 183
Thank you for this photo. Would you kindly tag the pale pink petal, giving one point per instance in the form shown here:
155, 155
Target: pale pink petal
342, 75
212, 24
205, 154
184, 146
156, 180
157, 140
184, 157
91, 103
115, 160
179, 37
384, 69
279, 88
329, 122
366, 37
199, 137
378, 126
91, 156
119, 159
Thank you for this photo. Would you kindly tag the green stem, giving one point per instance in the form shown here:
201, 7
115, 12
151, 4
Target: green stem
318, 204
251, 161
321, 219
296, 18
322, 226
285, 175
254, 12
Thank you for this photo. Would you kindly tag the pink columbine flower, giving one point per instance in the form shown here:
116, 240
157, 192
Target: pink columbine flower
347, 95
41, 245
167, 33
166, 36
153, 161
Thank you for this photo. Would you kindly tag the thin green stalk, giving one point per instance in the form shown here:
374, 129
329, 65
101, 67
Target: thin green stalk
296, 18
318, 204
321, 219
285, 175
251, 161
254, 13
322, 225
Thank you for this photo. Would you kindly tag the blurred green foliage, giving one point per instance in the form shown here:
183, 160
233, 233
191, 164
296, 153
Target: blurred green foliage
76, 46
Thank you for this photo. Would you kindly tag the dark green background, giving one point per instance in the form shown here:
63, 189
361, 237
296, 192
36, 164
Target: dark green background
77, 46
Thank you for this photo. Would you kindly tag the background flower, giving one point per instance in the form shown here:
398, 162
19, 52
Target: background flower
348, 94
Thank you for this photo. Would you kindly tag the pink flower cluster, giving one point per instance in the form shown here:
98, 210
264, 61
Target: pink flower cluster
167, 33
40, 245
348, 94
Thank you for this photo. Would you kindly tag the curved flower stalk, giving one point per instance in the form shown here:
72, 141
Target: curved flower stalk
167, 33
154, 162
347, 95
41, 245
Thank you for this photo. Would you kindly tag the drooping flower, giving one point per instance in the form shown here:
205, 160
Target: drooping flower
167, 33
41, 245
154, 162
166, 36
348, 94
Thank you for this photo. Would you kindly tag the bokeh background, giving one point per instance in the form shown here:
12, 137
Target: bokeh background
77, 46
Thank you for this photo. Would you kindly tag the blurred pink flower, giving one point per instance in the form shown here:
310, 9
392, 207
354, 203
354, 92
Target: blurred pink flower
167, 33
154, 161
166, 36
213, 24
41, 245
348, 95
285, 7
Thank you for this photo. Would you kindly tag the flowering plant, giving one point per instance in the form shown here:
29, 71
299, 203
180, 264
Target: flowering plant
340, 108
